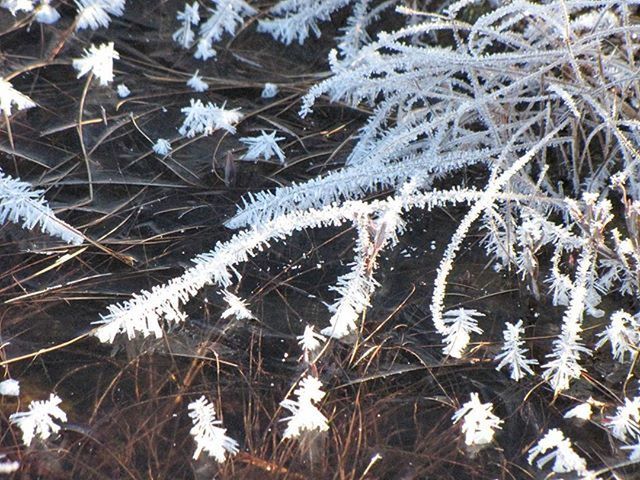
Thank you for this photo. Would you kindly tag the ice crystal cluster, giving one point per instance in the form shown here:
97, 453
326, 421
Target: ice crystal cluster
478, 421
40, 420
305, 415
209, 437
21, 204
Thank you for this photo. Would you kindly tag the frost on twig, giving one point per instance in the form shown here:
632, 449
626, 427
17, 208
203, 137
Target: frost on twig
98, 60
94, 14
38, 421
305, 416
209, 437
563, 364
22, 205
623, 333
227, 16
478, 421
204, 119
188, 18
513, 353
10, 96
459, 323
565, 459
263, 146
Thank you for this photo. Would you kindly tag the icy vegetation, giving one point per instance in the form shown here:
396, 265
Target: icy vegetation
523, 116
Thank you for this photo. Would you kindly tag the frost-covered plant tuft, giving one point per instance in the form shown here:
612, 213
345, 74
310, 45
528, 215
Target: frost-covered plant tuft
94, 14
478, 421
513, 353
227, 16
39, 420
263, 146
22, 205
99, 61
209, 437
10, 96
305, 415
565, 459
459, 323
204, 119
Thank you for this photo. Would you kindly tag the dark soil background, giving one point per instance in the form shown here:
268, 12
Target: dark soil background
390, 393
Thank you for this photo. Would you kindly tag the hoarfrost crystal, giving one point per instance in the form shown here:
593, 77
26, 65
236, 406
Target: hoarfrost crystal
562, 452
39, 420
459, 324
197, 84
624, 424
263, 146
206, 433
269, 90
10, 96
478, 421
123, 91
237, 307
200, 118
94, 14
15, 6
513, 353
623, 333
98, 60
306, 415
310, 340
20, 204
189, 17
162, 146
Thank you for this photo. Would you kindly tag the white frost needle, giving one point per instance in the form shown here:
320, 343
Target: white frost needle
94, 14
189, 17
10, 96
310, 340
21, 204
197, 84
478, 421
237, 307
162, 147
459, 324
305, 415
209, 437
513, 353
98, 60
204, 119
38, 421
263, 146
560, 451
